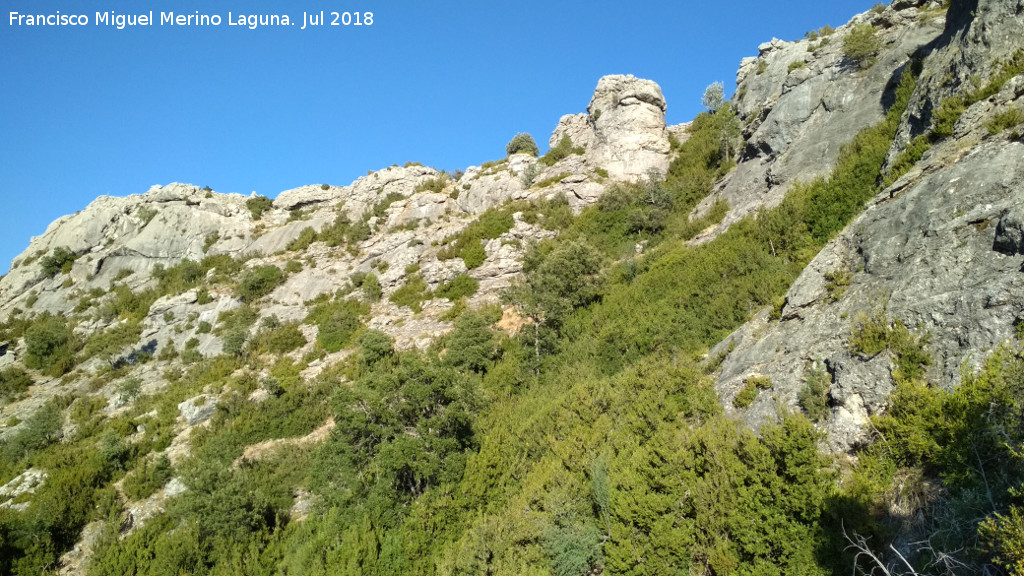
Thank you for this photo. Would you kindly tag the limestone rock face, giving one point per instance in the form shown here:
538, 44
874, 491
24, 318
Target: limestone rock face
942, 257
799, 102
629, 127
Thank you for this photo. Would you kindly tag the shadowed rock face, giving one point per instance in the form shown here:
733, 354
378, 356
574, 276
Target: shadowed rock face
940, 250
799, 102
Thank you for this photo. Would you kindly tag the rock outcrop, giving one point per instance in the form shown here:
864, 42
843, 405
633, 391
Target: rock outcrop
799, 102
939, 250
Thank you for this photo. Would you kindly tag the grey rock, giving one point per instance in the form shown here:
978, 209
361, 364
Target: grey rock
925, 257
198, 409
1010, 232
795, 122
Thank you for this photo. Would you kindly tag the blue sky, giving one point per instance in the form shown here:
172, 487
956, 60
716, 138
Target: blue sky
92, 110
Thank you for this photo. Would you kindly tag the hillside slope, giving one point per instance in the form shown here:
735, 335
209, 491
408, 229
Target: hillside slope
782, 338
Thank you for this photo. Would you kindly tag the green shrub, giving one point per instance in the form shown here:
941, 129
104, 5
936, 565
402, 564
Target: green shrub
433, 184
468, 244
50, 345
813, 397
13, 383
208, 242
257, 205
561, 150
472, 345
370, 287
279, 339
59, 260
1006, 119
795, 65
522, 143
337, 321
870, 334
306, 237
376, 346
412, 293
551, 181
462, 286
861, 44
148, 478
259, 282
748, 394
906, 159
836, 283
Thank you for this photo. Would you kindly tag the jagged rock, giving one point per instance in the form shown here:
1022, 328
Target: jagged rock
23, 484
578, 127
630, 138
927, 257
198, 409
796, 120
979, 35
1010, 233
304, 196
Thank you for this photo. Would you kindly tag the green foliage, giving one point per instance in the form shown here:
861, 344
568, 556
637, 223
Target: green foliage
813, 397
338, 321
111, 341
370, 287
147, 478
13, 383
468, 244
278, 339
461, 286
50, 345
748, 393
574, 547
412, 293
1005, 119
551, 181
472, 345
836, 283
861, 44
869, 335
257, 205
436, 184
306, 237
906, 159
797, 64
522, 143
381, 207
259, 282
559, 282
208, 242
949, 110
560, 151
376, 346
59, 260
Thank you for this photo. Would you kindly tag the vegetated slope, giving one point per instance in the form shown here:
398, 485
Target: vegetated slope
589, 435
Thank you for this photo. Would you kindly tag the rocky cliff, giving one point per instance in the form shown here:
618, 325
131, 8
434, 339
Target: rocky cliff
147, 284
937, 249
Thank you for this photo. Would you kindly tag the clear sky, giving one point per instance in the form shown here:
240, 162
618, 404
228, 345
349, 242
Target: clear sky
93, 110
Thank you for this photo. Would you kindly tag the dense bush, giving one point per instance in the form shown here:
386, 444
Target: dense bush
13, 383
50, 345
257, 205
259, 282
561, 150
861, 44
522, 143
337, 321
57, 261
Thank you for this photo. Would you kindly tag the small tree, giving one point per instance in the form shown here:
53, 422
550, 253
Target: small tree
861, 44
522, 143
714, 96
